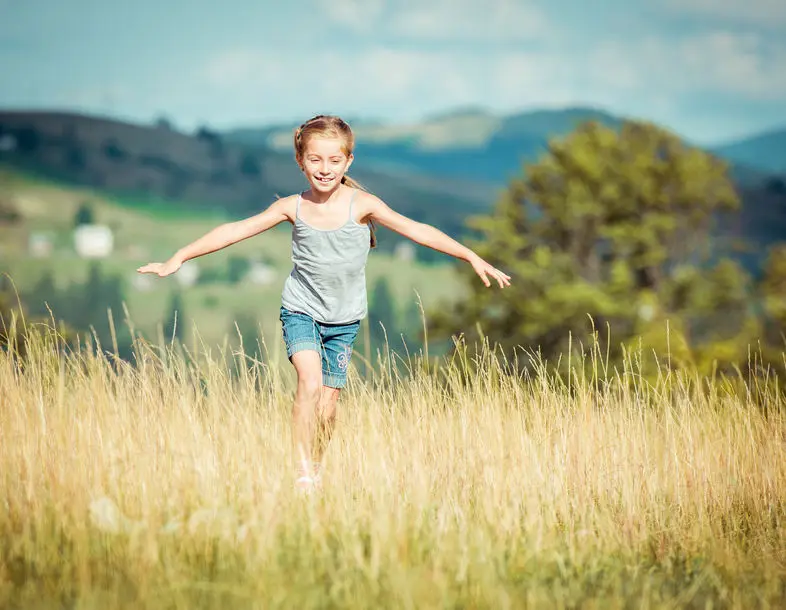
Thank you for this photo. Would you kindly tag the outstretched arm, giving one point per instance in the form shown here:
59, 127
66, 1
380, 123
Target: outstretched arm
222, 236
427, 235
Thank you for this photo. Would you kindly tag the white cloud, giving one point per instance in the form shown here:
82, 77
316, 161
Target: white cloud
757, 12
648, 77
721, 62
356, 14
234, 66
652, 76
492, 21
107, 95
389, 80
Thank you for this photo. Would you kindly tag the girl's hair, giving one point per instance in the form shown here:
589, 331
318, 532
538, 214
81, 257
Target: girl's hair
328, 126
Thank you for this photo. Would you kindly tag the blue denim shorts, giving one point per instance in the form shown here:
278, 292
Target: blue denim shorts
333, 342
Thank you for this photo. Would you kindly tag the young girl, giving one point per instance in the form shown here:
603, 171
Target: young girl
324, 297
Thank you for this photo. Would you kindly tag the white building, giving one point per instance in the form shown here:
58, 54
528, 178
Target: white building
142, 282
7, 143
404, 251
188, 274
39, 245
93, 241
260, 274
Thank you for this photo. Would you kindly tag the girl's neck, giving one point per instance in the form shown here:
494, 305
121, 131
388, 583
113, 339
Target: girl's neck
328, 197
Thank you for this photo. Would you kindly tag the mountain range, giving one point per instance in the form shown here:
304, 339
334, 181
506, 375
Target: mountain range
478, 145
439, 170
764, 151
155, 165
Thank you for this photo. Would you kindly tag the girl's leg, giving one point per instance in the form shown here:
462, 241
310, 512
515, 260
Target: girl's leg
337, 342
326, 421
308, 365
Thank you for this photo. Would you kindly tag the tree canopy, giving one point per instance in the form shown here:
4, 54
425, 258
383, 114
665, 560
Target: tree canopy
611, 232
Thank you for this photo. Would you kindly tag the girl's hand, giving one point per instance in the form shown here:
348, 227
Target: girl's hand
486, 271
162, 269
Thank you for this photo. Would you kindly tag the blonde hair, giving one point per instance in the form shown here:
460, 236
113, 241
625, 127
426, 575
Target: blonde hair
328, 126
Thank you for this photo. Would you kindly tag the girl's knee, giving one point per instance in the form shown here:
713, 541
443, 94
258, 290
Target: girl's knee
309, 388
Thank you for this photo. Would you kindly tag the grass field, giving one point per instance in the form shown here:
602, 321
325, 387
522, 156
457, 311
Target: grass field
169, 485
144, 233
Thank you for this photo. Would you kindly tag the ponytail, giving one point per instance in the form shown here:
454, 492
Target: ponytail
352, 183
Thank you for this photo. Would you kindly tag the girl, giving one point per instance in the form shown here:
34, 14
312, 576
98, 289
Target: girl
324, 297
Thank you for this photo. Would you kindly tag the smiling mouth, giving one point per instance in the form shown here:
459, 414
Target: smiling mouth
324, 180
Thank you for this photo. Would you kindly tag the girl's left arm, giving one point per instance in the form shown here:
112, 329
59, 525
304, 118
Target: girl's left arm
427, 235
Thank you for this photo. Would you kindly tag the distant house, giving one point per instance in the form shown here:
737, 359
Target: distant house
39, 245
404, 251
143, 283
93, 241
188, 274
261, 274
7, 143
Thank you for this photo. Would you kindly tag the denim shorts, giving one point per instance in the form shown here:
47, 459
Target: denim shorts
333, 342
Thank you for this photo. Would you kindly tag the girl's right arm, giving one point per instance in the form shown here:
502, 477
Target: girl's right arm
225, 235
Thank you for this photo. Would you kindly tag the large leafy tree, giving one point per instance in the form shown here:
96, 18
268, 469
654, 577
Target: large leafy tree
382, 314
10, 317
773, 288
610, 230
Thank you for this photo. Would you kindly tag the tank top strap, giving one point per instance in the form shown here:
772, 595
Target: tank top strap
297, 205
352, 201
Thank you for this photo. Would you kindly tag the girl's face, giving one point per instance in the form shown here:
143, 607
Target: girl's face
325, 163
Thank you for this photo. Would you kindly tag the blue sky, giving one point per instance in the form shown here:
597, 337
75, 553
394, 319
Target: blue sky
712, 70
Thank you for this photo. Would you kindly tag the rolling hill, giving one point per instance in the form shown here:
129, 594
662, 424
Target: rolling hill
438, 171
160, 166
477, 145
474, 144
765, 151
467, 144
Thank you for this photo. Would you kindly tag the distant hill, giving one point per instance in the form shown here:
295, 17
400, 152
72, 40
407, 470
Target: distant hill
437, 171
765, 151
475, 144
204, 169
470, 144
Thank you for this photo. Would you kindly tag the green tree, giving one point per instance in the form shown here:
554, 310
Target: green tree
249, 165
16, 320
8, 212
773, 292
237, 267
610, 228
412, 319
44, 296
247, 325
382, 313
10, 332
84, 215
114, 151
86, 306
173, 327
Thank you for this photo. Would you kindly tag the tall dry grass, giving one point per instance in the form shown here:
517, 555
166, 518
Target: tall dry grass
167, 482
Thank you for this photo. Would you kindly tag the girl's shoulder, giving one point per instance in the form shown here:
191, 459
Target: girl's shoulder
288, 205
365, 203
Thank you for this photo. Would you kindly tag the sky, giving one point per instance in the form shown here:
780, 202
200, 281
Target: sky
712, 70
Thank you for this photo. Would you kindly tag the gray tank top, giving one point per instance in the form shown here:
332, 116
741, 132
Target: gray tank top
328, 279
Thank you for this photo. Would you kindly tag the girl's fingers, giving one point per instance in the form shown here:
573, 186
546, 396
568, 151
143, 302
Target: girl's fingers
502, 278
149, 268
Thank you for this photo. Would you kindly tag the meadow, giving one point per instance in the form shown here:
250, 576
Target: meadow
467, 482
145, 231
